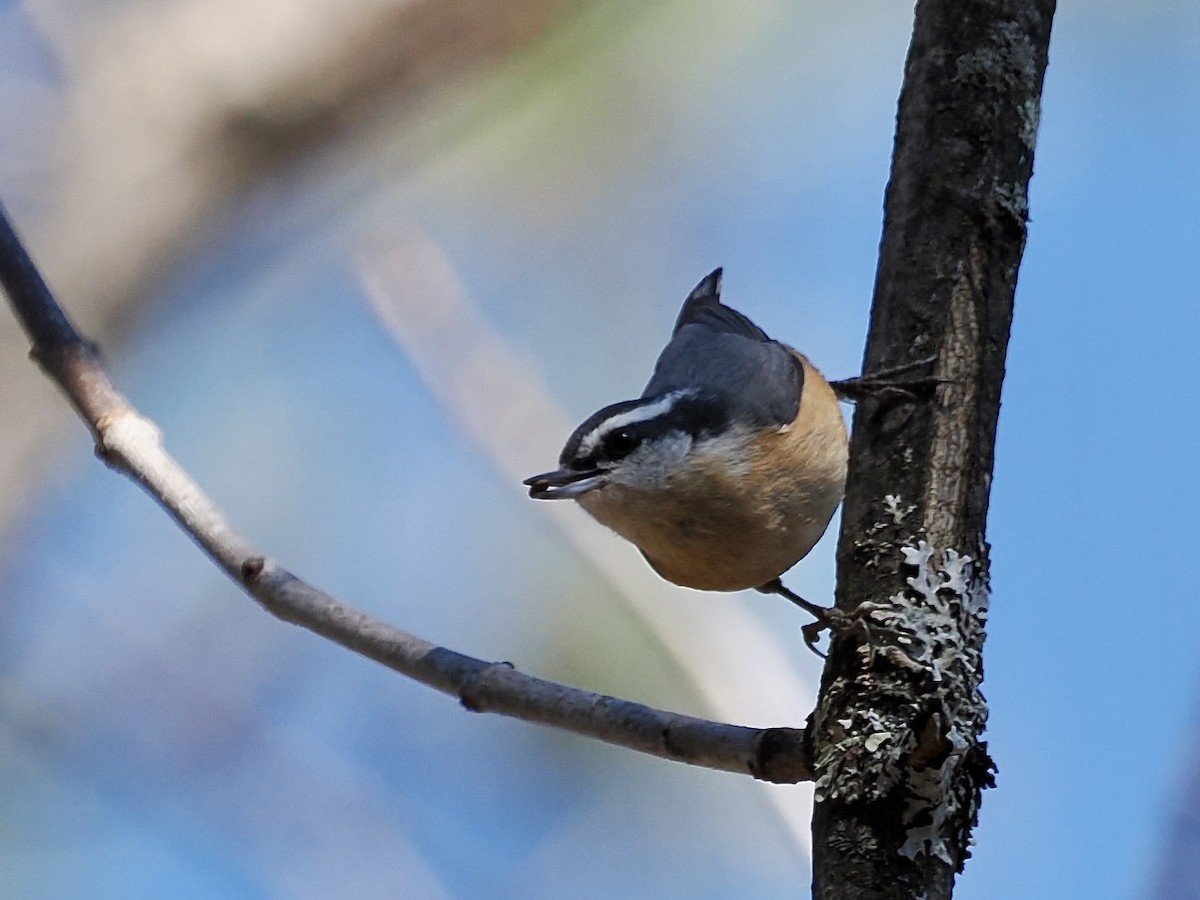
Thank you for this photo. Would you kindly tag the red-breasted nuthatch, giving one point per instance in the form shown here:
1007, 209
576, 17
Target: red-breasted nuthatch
728, 468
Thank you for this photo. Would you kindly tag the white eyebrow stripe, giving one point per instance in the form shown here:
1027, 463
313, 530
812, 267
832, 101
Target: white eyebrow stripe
629, 417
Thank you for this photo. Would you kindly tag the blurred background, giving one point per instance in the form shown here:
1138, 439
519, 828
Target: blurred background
368, 263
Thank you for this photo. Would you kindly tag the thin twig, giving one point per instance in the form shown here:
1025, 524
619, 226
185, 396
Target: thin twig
132, 444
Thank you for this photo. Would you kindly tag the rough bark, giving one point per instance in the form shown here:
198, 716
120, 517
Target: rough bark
896, 736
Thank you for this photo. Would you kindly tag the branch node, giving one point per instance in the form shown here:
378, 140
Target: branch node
473, 694
252, 568
783, 756
124, 435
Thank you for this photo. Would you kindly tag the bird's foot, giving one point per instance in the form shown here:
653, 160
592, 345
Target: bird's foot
886, 383
827, 618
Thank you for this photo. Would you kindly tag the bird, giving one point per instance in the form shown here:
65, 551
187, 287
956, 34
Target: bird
728, 468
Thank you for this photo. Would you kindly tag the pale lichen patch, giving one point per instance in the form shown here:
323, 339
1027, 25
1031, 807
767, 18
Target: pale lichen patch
893, 506
916, 740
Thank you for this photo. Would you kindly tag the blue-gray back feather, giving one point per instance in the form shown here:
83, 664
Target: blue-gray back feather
717, 349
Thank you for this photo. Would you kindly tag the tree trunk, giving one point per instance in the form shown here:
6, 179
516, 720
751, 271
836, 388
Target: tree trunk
896, 735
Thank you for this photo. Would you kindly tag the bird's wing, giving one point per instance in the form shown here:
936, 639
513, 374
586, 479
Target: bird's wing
703, 307
717, 349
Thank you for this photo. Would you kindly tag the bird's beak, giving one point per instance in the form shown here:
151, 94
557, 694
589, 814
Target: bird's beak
565, 484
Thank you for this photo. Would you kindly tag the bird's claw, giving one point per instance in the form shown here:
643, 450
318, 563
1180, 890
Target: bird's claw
884, 382
827, 618
812, 633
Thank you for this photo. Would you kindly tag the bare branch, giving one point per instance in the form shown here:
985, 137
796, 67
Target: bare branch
132, 444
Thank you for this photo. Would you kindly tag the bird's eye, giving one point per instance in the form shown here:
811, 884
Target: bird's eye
620, 443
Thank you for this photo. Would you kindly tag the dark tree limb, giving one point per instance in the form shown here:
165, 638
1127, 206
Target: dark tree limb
132, 444
896, 736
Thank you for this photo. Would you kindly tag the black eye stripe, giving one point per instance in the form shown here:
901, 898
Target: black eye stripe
616, 431
622, 437
619, 443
